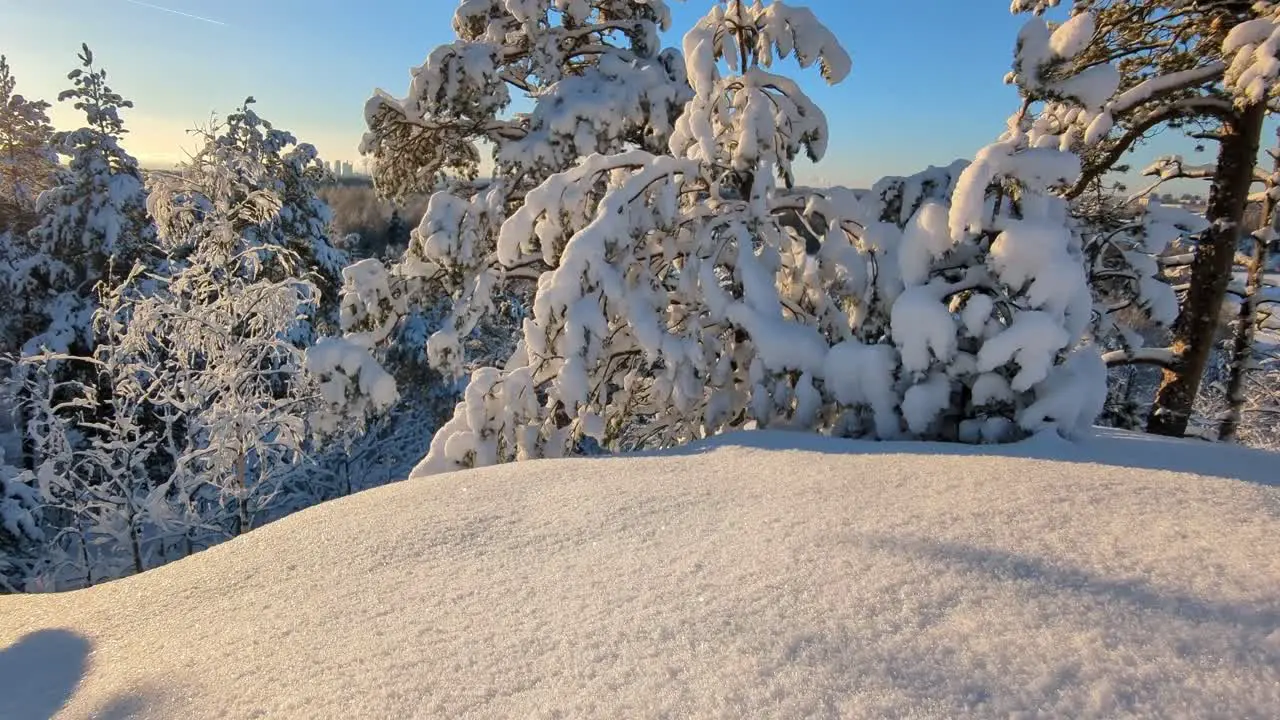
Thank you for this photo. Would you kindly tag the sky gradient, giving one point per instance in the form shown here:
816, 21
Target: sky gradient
926, 88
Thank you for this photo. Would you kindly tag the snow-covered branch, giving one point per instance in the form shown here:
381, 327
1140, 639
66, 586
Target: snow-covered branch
1161, 357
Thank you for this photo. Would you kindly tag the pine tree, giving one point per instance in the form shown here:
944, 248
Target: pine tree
93, 223
1184, 65
700, 291
1240, 357
397, 231
594, 68
26, 160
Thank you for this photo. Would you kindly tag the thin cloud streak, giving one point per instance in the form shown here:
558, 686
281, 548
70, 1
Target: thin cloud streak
175, 12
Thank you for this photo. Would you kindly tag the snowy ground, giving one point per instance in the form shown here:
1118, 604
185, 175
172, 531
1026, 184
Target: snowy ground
762, 575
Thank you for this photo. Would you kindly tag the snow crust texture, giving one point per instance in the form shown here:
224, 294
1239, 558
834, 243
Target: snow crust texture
744, 578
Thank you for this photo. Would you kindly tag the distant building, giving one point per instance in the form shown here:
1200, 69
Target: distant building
346, 169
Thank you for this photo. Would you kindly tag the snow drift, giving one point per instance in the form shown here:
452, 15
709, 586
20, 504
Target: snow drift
761, 575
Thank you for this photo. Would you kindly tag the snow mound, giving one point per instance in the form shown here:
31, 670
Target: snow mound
761, 575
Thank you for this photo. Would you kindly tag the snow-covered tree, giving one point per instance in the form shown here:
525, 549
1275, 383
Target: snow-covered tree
27, 165
677, 302
100, 464
594, 68
599, 82
52, 410
26, 159
192, 417
1240, 358
1207, 67
256, 163
216, 331
1132, 245
93, 222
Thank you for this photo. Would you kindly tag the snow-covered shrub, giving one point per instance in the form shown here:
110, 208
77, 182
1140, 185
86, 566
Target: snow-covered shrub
1023, 358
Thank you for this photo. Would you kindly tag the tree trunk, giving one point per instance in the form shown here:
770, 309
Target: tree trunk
84, 555
242, 495
135, 543
1193, 333
1242, 344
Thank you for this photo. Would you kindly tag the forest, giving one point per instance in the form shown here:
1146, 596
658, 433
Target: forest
186, 355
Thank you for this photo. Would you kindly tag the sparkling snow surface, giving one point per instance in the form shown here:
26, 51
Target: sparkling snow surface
762, 575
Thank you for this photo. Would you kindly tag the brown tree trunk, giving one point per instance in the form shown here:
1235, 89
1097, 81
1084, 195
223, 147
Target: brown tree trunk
1193, 333
1241, 358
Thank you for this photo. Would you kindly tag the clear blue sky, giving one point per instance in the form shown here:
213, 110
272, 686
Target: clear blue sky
926, 86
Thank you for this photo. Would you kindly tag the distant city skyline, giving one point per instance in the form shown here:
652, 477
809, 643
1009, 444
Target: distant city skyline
926, 88
344, 169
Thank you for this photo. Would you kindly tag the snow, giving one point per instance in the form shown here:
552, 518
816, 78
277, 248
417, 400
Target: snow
350, 382
1035, 256
1159, 300
1072, 396
1073, 36
926, 239
1158, 84
782, 345
1032, 341
1039, 48
922, 328
857, 374
990, 388
1255, 67
923, 403
759, 575
1154, 355
18, 501
1092, 86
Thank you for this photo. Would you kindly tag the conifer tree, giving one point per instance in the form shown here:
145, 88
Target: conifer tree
1207, 67
93, 222
26, 160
